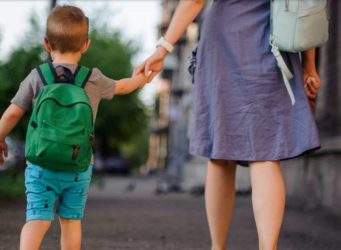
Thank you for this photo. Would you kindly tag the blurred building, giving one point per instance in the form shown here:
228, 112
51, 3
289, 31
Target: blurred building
315, 180
169, 136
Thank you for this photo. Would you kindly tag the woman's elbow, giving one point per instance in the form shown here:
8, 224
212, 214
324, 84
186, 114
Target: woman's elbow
196, 2
201, 2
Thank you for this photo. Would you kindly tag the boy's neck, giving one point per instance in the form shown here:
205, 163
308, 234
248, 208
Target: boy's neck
65, 58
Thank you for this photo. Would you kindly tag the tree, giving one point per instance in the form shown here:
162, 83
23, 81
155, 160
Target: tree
121, 123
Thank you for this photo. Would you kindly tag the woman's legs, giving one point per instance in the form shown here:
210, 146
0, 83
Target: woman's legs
220, 199
268, 199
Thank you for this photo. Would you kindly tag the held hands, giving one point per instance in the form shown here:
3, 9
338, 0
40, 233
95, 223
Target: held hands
153, 65
142, 79
3, 152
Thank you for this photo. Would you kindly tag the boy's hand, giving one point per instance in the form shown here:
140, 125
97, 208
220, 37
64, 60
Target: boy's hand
3, 152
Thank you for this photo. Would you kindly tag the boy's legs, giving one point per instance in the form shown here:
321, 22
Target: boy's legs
71, 234
41, 197
32, 234
71, 207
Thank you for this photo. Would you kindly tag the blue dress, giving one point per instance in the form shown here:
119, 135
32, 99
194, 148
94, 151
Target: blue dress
241, 108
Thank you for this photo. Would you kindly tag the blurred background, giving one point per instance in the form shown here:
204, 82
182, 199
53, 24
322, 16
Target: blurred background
147, 191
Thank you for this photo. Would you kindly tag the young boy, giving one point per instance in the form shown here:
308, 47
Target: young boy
66, 40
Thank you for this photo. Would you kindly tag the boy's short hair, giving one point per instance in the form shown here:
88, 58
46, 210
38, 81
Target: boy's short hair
67, 29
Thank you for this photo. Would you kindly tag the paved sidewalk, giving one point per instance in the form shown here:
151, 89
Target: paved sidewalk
117, 219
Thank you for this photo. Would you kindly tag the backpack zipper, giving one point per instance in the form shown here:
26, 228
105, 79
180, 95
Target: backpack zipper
53, 99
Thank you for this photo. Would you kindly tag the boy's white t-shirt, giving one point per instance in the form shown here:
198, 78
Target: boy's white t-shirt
97, 88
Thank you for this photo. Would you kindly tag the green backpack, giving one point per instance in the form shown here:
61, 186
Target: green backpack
60, 133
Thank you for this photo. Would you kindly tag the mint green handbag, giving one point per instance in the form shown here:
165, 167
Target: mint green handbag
296, 26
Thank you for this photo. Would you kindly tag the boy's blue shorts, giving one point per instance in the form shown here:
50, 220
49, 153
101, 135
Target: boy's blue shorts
44, 187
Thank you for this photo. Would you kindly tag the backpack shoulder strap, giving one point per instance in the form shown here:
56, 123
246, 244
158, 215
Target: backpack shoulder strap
46, 73
82, 75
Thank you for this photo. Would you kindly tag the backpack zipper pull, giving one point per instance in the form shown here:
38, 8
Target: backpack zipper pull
75, 152
92, 143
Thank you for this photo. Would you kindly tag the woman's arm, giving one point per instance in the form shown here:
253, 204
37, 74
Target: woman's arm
309, 58
128, 85
184, 15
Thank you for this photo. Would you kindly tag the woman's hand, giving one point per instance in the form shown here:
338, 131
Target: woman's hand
312, 84
312, 81
153, 65
3, 152
184, 15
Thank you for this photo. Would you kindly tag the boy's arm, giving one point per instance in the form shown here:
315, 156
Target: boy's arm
8, 121
128, 85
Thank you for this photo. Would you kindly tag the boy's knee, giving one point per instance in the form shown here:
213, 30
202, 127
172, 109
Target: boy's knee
35, 227
65, 221
38, 223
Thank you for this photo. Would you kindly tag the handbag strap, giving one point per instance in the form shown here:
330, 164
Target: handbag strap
286, 73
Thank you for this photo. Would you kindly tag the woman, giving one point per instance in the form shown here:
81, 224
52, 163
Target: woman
242, 112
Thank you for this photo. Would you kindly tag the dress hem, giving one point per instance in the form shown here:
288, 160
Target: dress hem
245, 162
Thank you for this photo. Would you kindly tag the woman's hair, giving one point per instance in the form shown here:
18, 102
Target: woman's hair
67, 29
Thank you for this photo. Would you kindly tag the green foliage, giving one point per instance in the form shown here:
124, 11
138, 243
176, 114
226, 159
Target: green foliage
12, 184
121, 123
19, 64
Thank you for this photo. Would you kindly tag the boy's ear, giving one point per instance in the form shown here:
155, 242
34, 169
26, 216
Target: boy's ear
86, 46
47, 45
